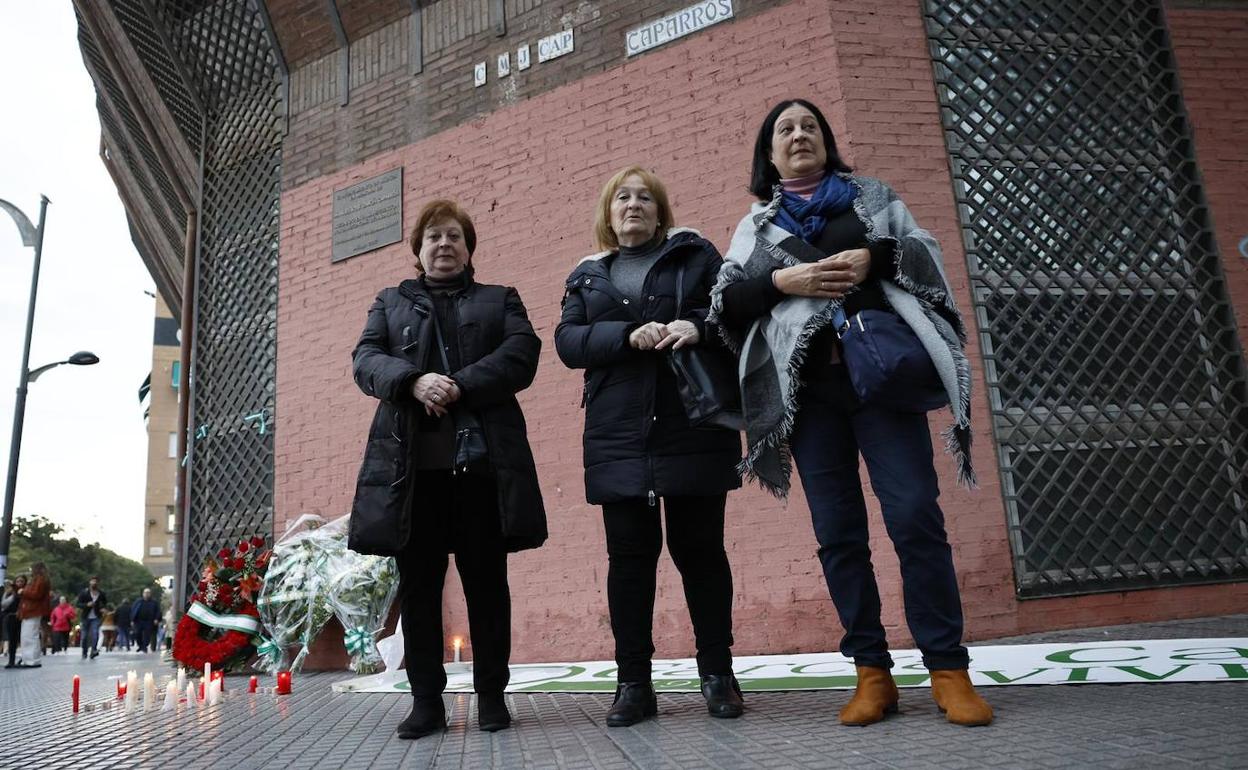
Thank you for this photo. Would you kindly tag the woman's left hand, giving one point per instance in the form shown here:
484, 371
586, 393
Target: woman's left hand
856, 261
679, 335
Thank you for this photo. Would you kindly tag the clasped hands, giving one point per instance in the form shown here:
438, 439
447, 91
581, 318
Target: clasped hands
659, 336
436, 392
829, 278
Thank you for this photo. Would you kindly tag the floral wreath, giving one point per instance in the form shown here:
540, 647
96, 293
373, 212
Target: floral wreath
222, 625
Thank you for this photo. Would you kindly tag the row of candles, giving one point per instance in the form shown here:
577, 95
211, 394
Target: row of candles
211, 688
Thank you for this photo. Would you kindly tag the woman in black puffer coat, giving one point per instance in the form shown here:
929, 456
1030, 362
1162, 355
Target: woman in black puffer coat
619, 324
443, 354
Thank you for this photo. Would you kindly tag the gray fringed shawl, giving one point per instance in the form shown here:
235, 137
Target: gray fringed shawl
773, 348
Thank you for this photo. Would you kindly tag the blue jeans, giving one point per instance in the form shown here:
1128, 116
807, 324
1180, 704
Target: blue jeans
90, 635
831, 429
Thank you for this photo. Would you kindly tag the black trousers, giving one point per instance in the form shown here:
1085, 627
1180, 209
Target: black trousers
456, 514
145, 632
695, 538
12, 635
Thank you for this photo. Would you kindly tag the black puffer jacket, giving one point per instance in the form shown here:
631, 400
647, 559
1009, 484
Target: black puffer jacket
499, 352
638, 441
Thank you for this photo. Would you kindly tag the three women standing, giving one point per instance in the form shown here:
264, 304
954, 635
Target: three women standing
448, 467
821, 238
820, 241
619, 323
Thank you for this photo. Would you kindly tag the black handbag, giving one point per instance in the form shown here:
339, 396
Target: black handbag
472, 454
888, 365
706, 378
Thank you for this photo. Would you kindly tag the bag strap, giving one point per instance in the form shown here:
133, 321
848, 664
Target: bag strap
437, 331
460, 418
680, 288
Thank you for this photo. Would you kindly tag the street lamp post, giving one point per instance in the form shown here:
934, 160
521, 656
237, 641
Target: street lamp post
31, 236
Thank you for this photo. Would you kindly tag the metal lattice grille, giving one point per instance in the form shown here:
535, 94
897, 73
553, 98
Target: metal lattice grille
137, 153
1115, 378
223, 50
160, 66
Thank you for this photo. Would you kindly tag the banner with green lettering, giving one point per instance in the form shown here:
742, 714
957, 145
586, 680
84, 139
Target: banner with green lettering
1147, 661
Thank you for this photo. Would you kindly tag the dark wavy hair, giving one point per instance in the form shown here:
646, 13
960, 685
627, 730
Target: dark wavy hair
763, 175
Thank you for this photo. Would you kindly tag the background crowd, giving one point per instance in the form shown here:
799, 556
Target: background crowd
36, 619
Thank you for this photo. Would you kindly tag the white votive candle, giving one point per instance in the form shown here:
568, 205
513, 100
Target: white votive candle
171, 696
149, 691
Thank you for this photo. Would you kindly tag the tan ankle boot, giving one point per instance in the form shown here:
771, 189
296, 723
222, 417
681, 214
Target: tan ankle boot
875, 696
953, 692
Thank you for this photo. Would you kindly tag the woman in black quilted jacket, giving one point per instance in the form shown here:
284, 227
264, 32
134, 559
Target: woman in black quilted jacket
448, 467
619, 324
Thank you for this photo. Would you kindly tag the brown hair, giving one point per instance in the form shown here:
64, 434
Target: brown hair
604, 236
435, 211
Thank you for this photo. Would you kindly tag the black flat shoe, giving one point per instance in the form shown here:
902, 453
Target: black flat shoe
428, 716
492, 713
634, 701
723, 696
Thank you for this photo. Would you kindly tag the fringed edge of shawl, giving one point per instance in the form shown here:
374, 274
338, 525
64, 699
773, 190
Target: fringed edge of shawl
935, 297
778, 437
958, 435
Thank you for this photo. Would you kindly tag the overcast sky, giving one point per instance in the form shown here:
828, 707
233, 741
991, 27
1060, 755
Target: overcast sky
83, 459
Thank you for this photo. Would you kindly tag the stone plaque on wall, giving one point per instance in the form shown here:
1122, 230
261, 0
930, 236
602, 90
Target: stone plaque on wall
368, 215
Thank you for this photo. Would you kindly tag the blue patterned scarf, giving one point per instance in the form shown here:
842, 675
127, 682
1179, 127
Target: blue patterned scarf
806, 218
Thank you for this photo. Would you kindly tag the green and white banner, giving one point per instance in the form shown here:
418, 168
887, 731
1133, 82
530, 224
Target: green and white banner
1148, 661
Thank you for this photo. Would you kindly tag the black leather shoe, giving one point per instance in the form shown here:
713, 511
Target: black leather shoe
634, 701
492, 713
723, 696
428, 716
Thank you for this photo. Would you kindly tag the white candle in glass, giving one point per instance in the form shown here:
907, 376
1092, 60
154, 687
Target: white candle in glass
207, 671
181, 679
190, 695
216, 691
171, 696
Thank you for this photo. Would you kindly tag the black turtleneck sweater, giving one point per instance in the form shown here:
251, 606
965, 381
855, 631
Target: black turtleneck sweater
630, 267
435, 436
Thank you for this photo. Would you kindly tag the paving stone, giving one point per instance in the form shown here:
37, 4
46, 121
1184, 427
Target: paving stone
1058, 726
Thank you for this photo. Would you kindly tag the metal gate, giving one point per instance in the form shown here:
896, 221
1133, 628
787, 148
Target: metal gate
220, 80
1116, 382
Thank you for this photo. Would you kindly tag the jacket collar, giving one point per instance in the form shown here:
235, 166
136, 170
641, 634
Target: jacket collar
416, 290
599, 264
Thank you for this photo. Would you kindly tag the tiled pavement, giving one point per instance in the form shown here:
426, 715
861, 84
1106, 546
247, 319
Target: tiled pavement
1066, 726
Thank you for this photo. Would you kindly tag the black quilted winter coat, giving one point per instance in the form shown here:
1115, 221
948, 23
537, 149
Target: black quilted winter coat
638, 442
499, 352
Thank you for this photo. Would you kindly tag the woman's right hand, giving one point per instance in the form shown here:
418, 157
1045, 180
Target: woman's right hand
646, 336
829, 278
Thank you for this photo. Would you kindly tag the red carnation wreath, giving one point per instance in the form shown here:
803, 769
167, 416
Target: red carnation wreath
223, 604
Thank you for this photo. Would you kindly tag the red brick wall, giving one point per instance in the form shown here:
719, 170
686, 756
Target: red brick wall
529, 173
1211, 47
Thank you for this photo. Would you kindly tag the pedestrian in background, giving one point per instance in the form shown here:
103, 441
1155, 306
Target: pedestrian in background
143, 617
821, 240
91, 604
32, 606
9, 626
108, 628
62, 623
448, 467
122, 616
620, 323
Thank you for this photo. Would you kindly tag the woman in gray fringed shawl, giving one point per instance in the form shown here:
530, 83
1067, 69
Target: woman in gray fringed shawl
822, 238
